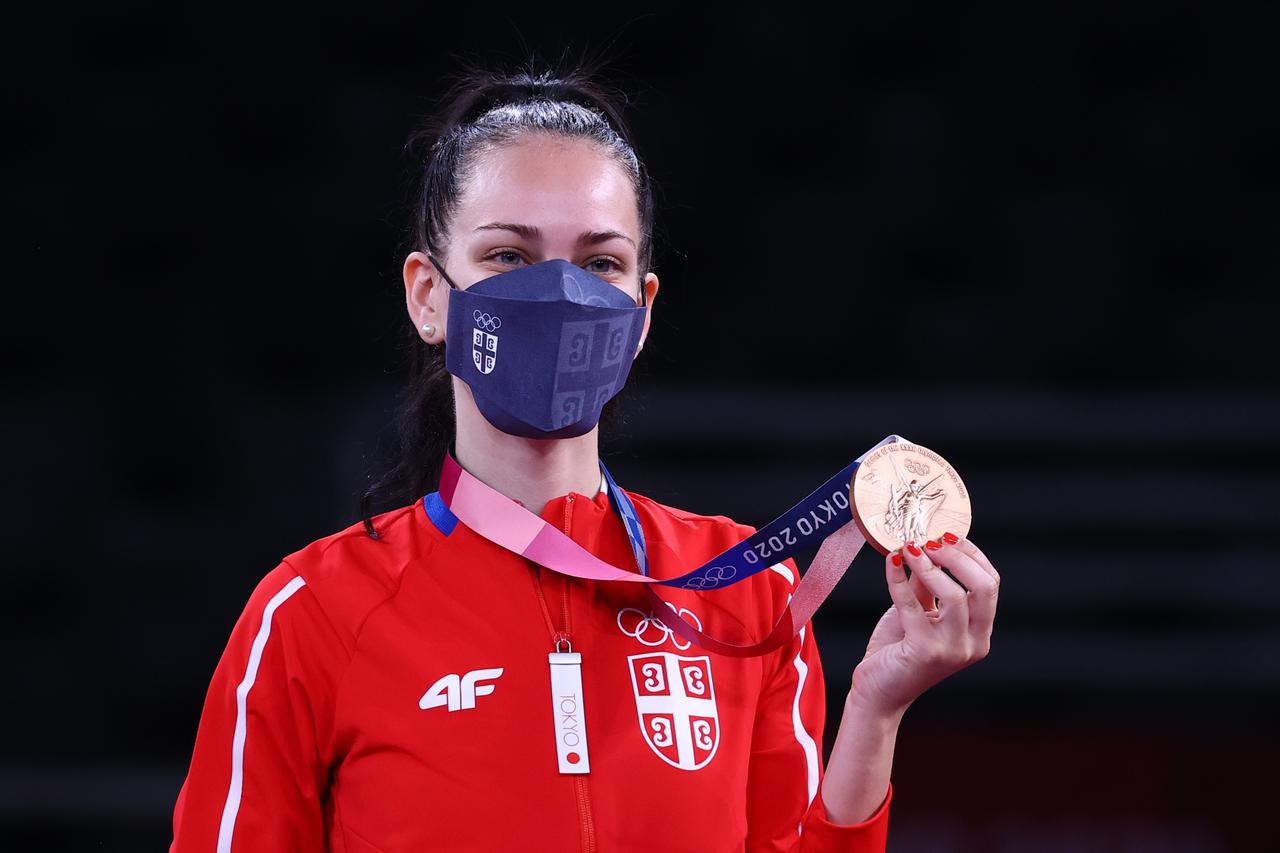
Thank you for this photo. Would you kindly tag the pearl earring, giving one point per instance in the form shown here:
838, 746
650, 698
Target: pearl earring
428, 329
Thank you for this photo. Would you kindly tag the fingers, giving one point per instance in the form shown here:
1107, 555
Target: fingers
983, 588
910, 611
980, 558
953, 601
926, 598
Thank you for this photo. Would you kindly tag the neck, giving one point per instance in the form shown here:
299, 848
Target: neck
530, 470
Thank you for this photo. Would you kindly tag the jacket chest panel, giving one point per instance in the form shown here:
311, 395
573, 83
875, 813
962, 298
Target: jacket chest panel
450, 686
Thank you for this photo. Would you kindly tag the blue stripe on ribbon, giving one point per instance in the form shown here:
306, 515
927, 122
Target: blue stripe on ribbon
821, 513
622, 506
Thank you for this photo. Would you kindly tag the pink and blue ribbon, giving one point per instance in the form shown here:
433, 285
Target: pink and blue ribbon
822, 518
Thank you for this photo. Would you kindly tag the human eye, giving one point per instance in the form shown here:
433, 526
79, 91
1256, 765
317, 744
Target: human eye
613, 266
505, 257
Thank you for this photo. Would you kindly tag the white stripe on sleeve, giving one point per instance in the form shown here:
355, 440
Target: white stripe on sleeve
232, 806
802, 735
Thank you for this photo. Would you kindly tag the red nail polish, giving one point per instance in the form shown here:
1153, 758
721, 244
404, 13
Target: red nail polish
933, 546
896, 558
915, 551
950, 538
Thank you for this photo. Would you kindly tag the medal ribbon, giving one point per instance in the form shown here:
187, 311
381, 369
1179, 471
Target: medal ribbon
824, 516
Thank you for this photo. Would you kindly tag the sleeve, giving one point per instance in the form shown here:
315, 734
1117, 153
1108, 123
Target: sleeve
262, 752
784, 785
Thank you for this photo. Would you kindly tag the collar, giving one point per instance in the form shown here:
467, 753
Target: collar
591, 521
577, 503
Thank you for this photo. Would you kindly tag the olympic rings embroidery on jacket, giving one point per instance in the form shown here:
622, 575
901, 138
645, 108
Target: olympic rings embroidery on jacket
641, 624
489, 322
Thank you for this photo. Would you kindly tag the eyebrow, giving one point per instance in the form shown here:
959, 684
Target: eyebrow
531, 232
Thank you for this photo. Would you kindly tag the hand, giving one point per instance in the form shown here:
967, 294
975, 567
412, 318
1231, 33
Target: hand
917, 644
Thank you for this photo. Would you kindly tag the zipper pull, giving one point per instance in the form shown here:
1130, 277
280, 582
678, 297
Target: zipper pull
568, 714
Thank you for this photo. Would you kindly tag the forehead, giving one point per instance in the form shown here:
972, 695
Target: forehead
563, 186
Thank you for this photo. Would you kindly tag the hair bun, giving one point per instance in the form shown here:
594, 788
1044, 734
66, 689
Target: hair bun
522, 88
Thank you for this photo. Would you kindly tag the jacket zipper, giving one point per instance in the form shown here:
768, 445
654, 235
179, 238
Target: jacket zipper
579, 782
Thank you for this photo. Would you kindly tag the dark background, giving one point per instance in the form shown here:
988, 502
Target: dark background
1042, 244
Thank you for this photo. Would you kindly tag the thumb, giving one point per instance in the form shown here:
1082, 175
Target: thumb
887, 631
910, 610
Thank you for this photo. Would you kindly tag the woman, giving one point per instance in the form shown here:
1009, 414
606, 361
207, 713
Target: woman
388, 687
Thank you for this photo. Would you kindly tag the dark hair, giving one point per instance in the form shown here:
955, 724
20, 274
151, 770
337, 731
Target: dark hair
483, 110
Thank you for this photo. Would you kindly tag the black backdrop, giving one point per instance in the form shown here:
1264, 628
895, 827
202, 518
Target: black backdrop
1042, 244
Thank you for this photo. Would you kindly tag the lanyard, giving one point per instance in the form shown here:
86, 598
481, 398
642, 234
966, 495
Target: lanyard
823, 516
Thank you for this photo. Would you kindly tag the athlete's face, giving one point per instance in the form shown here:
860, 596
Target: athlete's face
540, 198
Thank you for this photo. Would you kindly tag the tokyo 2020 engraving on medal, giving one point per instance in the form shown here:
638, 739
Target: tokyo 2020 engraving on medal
904, 492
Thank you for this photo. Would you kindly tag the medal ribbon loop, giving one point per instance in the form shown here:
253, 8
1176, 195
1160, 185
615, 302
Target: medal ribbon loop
823, 516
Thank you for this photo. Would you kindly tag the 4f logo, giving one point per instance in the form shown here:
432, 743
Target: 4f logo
484, 344
459, 692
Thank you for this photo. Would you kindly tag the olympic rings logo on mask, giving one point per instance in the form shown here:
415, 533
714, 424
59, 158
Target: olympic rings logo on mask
488, 322
652, 631
710, 579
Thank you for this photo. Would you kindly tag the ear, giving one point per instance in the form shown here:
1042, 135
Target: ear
650, 287
426, 296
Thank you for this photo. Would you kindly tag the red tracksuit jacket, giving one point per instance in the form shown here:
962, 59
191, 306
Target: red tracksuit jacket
394, 695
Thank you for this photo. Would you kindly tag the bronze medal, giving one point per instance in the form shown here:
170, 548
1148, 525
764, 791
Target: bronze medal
904, 492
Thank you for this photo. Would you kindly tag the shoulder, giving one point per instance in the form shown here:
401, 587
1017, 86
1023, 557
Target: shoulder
701, 537
349, 574
692, 523
683, 540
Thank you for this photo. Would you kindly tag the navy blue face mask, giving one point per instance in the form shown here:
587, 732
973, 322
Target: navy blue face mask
542, 347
